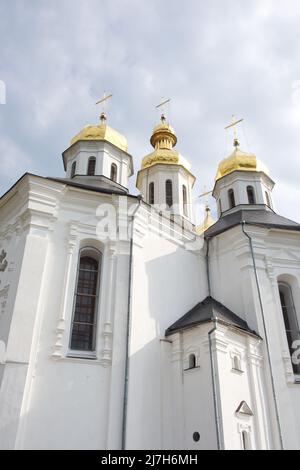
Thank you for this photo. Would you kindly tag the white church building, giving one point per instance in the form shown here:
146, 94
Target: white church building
123, 325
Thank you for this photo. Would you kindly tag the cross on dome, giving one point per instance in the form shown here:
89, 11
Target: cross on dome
233, 124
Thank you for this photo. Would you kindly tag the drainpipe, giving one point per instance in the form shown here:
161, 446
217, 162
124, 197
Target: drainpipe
213, 377
265, 333
125, 400
207, 266
213, 372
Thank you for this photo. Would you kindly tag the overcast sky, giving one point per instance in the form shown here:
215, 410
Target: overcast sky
213, 58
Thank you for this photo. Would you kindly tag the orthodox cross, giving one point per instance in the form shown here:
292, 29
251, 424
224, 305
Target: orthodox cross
103, 104
205, 194
162, 105
234, 124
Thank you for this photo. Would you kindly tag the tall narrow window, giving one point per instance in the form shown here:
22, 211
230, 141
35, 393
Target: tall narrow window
268, 199
113, 172
91, 166
184, 200
86, 300
169, 193
231, 198
220, 207
250, 194
151, 193
192, 361
290, 319
73, 169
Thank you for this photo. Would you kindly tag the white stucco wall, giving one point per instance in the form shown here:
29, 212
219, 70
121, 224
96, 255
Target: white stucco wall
168, 280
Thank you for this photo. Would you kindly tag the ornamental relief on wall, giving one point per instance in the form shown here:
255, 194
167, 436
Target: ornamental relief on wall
3, 261
3, 299
3, 290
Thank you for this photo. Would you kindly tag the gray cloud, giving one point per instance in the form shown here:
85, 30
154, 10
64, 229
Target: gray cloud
212, 58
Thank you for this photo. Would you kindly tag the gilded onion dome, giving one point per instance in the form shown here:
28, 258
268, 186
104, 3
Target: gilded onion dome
102, 132
163, 140
241, 161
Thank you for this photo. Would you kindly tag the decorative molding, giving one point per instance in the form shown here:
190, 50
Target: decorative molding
58, 346
107, 333
106, 354
284, 255
71, 243
244, 427
244, 409
288, 368
218, 341
77, 228
255, 355
32, 220
270, 270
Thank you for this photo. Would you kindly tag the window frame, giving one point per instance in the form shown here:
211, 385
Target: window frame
151, 189
115, 167
285, 316
192, 361
251, 194
82, 353
169, 193
231, 198
91, 159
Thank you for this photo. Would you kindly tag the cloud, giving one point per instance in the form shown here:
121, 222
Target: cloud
212, 58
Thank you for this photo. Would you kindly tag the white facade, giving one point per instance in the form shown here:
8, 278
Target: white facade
136, 389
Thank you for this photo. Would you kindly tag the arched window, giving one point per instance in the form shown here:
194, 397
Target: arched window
86, 301
192, 361
268, 199
246, 440
73, 169
251, 194
231, 198
169, 193
91, 166
113, 172
151, 193
290, 319
184, 200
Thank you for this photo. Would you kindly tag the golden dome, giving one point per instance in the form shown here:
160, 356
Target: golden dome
163, 136
207, 222
102, 132
166, 157
241, 161
163, 140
